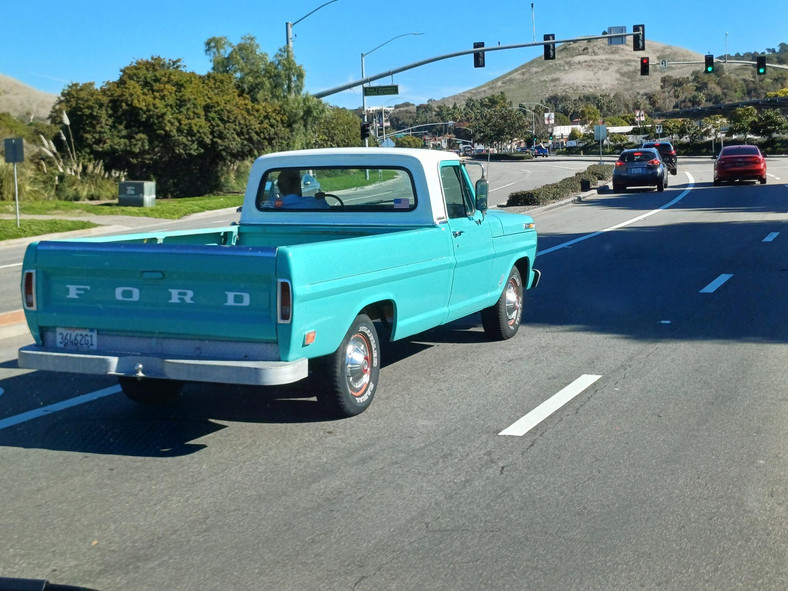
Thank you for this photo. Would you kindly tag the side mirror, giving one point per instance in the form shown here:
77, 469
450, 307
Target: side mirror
482, 190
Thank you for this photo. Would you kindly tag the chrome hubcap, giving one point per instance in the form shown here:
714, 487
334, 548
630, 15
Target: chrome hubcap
357, 364
514, 302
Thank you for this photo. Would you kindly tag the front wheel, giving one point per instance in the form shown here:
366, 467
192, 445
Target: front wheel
347, 379
150, 390
502, 320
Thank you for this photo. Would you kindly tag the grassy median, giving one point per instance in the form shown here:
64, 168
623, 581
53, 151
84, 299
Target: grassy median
68, 215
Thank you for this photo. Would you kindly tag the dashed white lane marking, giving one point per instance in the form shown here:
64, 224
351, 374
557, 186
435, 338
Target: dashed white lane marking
771, 237
683, 194
714, 285
549, 406
11, 265
58, 406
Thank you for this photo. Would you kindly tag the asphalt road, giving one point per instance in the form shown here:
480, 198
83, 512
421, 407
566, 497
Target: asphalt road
661, 325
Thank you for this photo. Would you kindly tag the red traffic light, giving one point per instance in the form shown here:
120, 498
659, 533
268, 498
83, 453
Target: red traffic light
644, 64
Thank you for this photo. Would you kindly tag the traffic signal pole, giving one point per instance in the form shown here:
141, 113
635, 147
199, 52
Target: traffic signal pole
365, 80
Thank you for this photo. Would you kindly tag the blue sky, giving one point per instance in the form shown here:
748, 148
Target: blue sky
47, 44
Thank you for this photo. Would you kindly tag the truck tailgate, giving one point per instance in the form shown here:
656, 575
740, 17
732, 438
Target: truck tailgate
185, 291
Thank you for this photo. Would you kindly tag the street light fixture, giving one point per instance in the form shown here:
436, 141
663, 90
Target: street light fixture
364, 75
289, 26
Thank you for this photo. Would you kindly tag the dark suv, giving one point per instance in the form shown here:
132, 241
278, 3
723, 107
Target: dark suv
667, 151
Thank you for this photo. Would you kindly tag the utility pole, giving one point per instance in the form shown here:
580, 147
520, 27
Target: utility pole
533, 21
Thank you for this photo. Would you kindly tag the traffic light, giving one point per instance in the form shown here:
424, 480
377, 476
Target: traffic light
549, 48
478, 56
644, 66
364, 131
709, 63
760, 67
639, 37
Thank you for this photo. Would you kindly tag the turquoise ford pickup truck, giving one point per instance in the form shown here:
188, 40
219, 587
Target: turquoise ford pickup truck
335, 249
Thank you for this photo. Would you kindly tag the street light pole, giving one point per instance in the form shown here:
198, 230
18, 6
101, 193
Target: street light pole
289, 26
364, 75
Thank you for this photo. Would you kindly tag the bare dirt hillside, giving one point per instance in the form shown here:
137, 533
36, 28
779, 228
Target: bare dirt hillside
586, 67
24, 101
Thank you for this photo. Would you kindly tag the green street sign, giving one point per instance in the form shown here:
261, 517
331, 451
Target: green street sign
381, 90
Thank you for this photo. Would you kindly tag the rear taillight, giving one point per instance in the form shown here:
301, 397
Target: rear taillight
29, 290
654, 162
620, 163
284, 301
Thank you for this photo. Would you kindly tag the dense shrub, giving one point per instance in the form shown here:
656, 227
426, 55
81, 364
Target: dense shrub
563, 188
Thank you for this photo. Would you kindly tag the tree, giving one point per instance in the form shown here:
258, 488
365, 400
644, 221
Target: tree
741, 121
278, 81
769, 123
590, 115
338, 128
408, 141
159, 122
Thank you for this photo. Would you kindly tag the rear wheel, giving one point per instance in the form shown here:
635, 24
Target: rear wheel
150, 390
617, 188
502, 320
660, 185
716, 182
763, 180
348, 378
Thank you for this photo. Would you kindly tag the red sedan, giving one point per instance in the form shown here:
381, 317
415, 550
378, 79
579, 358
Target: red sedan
739, 163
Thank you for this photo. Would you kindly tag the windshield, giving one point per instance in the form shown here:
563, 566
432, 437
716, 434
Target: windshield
337, 189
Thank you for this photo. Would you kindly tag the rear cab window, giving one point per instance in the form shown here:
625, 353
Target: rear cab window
333, 189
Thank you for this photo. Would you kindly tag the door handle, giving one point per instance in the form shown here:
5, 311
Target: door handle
457, 233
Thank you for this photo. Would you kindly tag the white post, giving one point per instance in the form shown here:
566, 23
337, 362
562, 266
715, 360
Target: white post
16, 196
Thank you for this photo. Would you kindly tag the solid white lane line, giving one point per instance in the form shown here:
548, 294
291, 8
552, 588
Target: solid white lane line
9, 266
771, 236
623, 224
714, 285
58, 406
501, 187
549, 406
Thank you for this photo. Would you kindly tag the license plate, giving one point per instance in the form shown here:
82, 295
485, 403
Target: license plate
636, 170
76, 339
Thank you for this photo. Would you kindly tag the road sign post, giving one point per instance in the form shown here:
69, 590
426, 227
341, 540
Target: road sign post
15, 152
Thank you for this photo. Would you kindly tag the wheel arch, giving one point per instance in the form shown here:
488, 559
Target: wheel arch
524, 266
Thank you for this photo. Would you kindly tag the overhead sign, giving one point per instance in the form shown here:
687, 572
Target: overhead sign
381, 90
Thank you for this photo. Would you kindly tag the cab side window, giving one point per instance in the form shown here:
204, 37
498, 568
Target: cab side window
456, 192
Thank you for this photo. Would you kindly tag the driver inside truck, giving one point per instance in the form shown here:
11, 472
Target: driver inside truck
290, 197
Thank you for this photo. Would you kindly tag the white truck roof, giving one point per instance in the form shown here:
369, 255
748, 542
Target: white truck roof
422, 164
